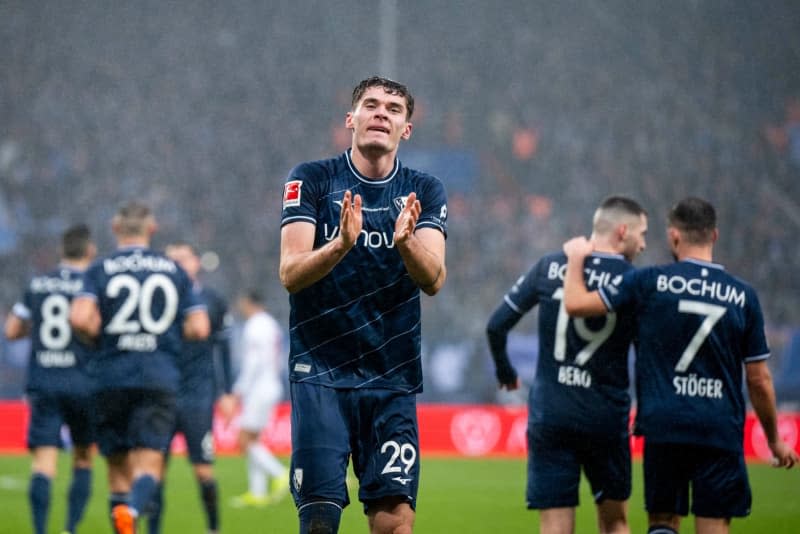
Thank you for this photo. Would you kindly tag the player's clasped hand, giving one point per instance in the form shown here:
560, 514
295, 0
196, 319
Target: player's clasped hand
578, 247
351, 219
407, 220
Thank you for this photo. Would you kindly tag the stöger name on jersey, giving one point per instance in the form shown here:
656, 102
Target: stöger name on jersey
694, 386
138, 262
594, 278
698, 287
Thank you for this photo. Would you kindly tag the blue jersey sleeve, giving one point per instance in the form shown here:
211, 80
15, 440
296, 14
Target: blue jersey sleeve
756, 347
300, 194
623, 292
433, 199
522, 296
24, 308
91, 286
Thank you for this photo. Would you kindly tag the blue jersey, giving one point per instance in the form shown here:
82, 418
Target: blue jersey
58, 360
582, 372
696, 326
359, 326
202, 364
143, 298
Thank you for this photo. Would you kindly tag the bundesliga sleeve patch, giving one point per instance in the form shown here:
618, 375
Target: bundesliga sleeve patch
291, 193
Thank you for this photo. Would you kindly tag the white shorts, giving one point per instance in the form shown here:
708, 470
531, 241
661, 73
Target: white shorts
257, 407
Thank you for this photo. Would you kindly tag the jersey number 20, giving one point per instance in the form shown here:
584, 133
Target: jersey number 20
140, 296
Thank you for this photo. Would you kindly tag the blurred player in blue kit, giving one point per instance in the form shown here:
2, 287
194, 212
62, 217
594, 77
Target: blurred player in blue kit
697, 328
361, 235
205, 368
58, 384
139, 307
579, 403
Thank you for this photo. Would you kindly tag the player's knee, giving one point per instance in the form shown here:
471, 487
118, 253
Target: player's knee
320, 518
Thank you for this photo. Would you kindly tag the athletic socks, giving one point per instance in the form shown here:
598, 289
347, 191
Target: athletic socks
661, 529
142, 492
320, 518
154, 509
265, 460
39, 497
256, 479
79, 492
208, 494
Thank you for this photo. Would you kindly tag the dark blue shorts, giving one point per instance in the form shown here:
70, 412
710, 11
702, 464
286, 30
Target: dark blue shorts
194, 420
556, 457
718, 480
377, 427
49, 411
134, 419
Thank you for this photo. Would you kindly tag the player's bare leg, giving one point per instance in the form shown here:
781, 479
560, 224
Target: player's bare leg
392, 515
670, 521
612, 517
712, 525
557, 521
45, 460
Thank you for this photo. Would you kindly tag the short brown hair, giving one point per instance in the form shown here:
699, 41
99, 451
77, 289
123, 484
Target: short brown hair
695, 219
390, 86
75, 242
132, 218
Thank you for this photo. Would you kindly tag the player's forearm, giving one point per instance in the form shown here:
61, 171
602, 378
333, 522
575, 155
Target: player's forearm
84, 317
426, 268
762, 397
16, 328
575, 290
196, 326
303, 269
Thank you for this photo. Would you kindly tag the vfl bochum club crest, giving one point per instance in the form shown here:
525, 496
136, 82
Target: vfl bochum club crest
400, 202
297, 479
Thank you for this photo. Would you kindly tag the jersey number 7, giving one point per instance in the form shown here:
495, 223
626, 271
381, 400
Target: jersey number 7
712, 314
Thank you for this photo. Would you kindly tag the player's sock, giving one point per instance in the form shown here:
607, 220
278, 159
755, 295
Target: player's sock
79, 491
142, 492
320, 518
256, 479
661, 529
39, 497
265, 460
117, 498
154, 510
208, 494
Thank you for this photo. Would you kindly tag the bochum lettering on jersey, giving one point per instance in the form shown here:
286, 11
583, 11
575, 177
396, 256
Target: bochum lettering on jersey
138, 262
556, 271
697, 287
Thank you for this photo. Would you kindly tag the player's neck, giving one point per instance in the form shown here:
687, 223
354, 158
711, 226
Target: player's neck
374, 166
603, 245
132, 241
693, 252
77, 265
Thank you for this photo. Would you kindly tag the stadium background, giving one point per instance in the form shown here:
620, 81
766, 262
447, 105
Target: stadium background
530, 111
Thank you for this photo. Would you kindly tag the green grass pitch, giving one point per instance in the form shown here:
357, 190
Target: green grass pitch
456, 496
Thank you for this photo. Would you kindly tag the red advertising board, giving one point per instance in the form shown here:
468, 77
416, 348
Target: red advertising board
445, 429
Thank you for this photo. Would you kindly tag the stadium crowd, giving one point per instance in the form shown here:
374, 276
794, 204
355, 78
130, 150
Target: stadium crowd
201, 113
